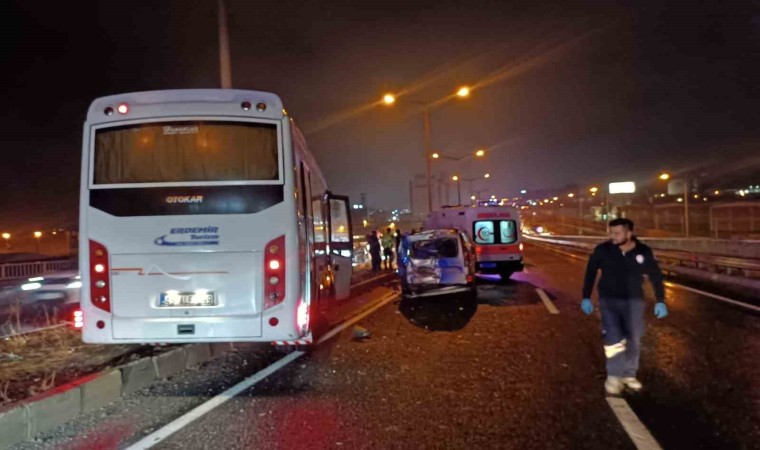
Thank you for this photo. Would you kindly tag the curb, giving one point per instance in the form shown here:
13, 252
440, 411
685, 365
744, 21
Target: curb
42, 413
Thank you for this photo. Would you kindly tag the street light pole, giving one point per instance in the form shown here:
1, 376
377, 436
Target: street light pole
224, 47
428, 156
686, 207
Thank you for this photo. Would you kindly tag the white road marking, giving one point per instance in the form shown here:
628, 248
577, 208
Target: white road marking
547, 301
639, 434
184, 420
715, 296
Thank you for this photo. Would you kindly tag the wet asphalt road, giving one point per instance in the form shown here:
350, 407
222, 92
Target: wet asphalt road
503, 373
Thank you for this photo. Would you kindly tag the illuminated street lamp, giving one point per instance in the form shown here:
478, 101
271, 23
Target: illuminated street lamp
459, 189
389, 99
488, 175
7, 239
594, 190
37, 236
6, 236
477, 154
685, 200
571, 195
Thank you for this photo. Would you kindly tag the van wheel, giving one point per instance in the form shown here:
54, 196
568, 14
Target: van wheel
474, 292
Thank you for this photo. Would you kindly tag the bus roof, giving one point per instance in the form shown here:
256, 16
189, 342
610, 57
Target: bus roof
149, 104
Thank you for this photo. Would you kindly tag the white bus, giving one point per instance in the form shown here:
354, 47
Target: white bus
494, 229
205, 218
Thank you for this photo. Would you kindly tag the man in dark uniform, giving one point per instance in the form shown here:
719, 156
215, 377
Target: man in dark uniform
624, 261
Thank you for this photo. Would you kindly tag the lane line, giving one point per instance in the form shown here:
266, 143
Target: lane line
547, 301
184, 420
670, 284
639, 434
380, 303
711, 295
177, 424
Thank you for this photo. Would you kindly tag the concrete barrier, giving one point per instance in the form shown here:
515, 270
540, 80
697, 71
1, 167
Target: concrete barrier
54, 410
197, 354
220, 348
170, 363
14, 426
101, 390
137, 375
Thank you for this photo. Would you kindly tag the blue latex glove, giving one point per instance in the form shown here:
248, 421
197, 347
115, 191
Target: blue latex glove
660, 310
587, 307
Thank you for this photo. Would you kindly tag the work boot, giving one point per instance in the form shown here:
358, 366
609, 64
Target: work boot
632, 383
613, 385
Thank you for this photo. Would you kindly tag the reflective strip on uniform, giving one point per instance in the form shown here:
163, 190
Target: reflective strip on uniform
614, 349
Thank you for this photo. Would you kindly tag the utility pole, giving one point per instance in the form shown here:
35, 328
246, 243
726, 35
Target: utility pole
686, 207
224, 47
411, 197
428, 157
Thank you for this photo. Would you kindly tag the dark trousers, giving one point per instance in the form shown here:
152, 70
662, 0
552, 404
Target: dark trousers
622, 328
388, 252
375, 255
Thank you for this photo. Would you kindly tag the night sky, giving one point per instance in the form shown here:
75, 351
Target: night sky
566, 91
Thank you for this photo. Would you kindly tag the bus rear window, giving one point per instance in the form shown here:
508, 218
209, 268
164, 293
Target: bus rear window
172, 152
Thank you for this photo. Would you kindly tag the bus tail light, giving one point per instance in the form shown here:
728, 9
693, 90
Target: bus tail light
100, 291
302, 316
521, 246
274, 272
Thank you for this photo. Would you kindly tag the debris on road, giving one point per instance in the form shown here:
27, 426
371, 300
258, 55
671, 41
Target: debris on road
360, 333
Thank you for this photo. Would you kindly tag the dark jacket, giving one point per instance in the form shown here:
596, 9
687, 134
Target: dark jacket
622, 274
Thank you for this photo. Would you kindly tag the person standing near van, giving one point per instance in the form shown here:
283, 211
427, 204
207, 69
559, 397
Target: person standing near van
387, 242
374, 250
624, 261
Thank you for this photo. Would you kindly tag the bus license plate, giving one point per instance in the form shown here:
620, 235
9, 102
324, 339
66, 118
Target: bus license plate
488, 265
186, 299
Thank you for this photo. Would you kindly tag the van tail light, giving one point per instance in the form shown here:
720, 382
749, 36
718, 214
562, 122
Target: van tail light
78, 319
100, 277
274, 272
521, 246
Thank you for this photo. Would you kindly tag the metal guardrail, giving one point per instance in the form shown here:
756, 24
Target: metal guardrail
16, 271
749, 267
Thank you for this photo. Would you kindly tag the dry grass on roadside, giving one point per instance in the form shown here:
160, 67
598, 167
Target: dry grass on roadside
36, 362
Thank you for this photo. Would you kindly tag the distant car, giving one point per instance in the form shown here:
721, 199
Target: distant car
437, 262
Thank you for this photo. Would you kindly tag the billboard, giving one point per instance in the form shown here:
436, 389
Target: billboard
623, 187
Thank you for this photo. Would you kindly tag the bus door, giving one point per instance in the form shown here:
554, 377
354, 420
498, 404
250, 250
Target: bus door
341, 245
